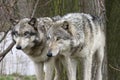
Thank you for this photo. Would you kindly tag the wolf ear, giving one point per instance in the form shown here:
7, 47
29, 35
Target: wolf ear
65, 25
14, 22
32, 22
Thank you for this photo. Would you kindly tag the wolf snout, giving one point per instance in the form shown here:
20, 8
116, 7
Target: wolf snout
49, 54
18, 47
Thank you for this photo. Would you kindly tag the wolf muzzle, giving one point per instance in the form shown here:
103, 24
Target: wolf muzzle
49, 54
18, 47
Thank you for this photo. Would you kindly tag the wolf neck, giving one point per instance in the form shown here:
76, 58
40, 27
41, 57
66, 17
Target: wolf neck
36, 50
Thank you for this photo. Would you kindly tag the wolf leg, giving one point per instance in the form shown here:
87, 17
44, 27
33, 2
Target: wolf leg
100, 57
70, 65
87, 63
48, 69
58, 70
39, 71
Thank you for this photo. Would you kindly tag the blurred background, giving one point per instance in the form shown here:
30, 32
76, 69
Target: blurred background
15, 65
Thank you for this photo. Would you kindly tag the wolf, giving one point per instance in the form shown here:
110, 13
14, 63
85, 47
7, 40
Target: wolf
77, 36
30, 37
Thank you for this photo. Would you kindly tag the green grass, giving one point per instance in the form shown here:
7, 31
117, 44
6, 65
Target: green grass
16, 77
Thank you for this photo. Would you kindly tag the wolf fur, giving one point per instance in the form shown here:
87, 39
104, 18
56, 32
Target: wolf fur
77, 36
30, 37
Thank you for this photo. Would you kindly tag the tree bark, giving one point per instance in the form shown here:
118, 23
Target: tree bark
113, 38
96, 8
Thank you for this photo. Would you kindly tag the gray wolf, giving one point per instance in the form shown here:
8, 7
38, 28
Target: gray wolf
29, 35
77, 36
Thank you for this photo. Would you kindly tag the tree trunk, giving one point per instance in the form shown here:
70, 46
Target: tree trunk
97, 8
113, 38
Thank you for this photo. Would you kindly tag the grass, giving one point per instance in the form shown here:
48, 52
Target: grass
16, 77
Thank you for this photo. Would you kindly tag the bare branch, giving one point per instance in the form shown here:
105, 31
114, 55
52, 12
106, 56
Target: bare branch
47, 3
4, 53
114, 68
4, 36
35, 7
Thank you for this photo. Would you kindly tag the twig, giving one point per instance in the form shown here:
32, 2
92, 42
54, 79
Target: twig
6, 8
35, 7
114, 68
47, 3
4, 36
4, 53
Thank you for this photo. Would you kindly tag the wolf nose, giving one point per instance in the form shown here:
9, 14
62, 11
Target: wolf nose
49, 54
18, 47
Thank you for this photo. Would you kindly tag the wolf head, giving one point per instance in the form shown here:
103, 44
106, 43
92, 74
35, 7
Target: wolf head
59, 37
25, 33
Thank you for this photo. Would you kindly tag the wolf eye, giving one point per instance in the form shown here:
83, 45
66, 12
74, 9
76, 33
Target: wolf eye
43, 25
48, 37
58, 38
15, 33
26, 33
